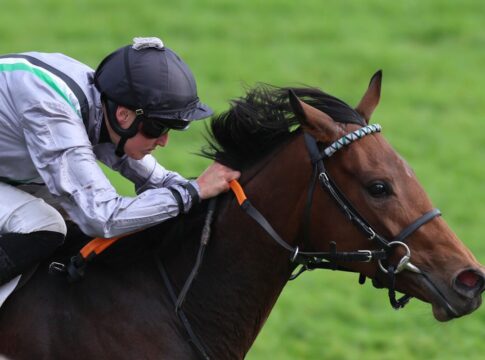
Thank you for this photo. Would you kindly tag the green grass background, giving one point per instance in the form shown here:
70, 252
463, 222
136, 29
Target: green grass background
432, 110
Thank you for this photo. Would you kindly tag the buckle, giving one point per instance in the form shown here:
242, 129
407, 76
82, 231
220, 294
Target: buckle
56, 267
368, 253
372, 235
324, 177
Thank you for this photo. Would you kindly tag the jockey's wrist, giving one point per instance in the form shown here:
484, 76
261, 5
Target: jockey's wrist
194, 191
186, 195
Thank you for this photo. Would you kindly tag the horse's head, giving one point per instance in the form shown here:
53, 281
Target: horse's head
386, 195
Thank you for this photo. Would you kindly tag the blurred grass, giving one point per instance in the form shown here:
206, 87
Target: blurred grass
432, 111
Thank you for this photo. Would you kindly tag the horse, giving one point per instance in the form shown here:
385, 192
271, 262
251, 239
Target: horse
322, 188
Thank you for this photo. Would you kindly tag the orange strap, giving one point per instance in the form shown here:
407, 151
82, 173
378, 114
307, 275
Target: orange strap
238, 191
98, 245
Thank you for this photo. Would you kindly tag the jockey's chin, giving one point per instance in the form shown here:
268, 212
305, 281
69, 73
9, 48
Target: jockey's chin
139, 146
138, 155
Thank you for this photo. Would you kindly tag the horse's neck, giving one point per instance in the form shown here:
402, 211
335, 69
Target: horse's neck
244, 270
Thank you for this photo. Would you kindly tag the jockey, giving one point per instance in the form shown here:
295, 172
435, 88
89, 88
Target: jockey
58, 117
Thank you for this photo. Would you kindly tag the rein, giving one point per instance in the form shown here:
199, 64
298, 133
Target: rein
308, 260
179, 300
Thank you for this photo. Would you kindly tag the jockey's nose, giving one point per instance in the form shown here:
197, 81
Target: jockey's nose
469, 282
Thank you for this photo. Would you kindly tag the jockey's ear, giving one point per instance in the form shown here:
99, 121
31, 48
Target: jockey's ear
371, 97
124, 116
315, 122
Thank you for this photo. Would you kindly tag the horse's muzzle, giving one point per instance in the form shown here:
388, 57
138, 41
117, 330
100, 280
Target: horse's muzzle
462, 298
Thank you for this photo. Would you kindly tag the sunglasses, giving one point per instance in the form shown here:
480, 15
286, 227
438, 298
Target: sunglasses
154, 128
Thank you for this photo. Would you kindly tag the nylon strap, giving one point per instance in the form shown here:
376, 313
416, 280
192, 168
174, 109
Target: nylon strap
238, 191
98, 245
256, 215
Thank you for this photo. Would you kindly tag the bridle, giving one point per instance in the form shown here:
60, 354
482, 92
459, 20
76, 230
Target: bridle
317, 157
332, 258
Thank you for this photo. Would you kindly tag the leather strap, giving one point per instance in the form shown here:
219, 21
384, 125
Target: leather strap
430, 215
302, 257
181, 315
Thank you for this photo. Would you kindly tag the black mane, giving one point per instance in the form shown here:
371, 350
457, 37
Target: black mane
257, 122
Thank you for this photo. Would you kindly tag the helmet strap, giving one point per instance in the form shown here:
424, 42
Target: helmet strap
124, 134
120, 148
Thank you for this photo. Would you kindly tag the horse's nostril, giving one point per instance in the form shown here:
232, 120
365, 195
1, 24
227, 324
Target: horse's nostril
470, 282
469, 278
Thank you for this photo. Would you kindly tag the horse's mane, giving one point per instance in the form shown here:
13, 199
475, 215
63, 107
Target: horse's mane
262, 119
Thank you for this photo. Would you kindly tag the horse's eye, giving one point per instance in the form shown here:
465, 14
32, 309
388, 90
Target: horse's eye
379, 189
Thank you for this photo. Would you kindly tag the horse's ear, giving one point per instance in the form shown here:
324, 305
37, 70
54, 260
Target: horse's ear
371, 97
313, 121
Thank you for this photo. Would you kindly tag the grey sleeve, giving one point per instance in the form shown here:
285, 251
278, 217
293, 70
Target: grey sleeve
65, 160
146, 173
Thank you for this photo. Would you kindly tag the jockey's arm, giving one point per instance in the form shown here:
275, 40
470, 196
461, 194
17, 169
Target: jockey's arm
64, 158
145, 174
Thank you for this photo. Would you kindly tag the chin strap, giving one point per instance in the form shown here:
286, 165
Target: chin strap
124, 134
120, 148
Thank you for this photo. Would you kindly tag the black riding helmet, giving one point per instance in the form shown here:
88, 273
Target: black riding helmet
154, 82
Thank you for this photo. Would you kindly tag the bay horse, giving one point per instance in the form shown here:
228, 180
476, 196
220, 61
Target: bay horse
325, 190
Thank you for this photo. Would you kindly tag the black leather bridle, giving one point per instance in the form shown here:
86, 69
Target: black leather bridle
331, 259
317, 156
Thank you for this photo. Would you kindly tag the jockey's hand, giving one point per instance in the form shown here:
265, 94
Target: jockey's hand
215, 180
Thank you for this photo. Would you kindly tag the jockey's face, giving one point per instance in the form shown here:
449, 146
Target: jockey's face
139, 145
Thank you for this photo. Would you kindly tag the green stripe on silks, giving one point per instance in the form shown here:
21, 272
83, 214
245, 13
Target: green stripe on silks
42, 75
